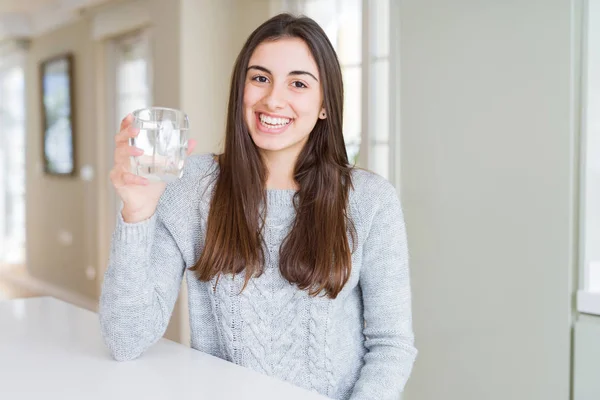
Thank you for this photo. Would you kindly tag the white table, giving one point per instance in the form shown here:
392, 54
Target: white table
53, 350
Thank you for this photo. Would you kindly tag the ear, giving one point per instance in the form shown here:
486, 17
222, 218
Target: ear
322, 114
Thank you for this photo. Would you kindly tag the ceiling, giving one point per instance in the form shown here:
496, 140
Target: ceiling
29, 18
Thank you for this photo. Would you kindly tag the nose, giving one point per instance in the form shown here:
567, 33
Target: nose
275, 98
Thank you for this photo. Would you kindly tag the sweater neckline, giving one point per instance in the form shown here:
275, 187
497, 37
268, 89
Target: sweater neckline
275, 197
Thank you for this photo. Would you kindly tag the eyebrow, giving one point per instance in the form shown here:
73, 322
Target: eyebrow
258, 67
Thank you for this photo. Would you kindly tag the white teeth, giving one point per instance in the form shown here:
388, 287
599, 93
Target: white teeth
278, 122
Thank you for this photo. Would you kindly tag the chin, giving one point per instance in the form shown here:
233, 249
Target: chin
270, 146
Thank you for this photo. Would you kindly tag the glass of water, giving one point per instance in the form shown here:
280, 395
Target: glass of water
163, 136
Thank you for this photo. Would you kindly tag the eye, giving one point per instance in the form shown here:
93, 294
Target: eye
260, 79
299, 85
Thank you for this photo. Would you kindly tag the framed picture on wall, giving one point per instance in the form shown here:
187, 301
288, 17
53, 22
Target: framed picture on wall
58, 143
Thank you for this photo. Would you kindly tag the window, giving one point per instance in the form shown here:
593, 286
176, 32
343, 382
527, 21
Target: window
360, 32
132, 74
590, 201
12, 160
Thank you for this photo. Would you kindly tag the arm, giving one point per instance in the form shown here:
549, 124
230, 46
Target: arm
140, 287
385, 285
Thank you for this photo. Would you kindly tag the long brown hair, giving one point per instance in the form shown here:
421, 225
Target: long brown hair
316, 254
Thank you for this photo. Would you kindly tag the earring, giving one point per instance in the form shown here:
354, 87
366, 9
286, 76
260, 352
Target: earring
323, 114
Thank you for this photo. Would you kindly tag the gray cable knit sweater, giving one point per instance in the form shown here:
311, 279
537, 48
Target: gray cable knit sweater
358, 346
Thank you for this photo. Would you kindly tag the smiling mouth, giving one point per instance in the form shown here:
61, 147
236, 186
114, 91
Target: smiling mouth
273, 122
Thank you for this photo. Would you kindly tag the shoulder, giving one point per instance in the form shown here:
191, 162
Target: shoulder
373, 199
199, 165
371, 190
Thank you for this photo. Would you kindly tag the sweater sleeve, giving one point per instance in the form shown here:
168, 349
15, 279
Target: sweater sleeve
385, 285
146, 265
140, 287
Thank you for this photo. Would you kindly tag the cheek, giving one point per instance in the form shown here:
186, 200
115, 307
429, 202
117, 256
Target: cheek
251, 95
308, 107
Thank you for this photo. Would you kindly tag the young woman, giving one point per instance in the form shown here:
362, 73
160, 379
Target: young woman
299, 260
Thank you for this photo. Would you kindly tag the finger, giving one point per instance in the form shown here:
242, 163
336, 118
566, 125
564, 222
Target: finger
116, 177
123, 152
132, 179
191, 146
124, 135
127, 151
125, 122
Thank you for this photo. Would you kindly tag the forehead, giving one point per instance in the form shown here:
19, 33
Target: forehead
284, 55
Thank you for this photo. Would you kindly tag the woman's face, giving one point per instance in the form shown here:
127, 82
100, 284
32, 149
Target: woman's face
282, 96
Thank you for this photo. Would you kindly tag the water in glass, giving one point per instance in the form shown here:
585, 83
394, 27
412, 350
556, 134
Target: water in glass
163, 136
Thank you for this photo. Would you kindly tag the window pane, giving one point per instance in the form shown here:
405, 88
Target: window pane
349, 46
380, 105
12, 166
133, 76
592, 152
342, 22
380, 20
352, 110
132, 85
324, 12
379, 159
